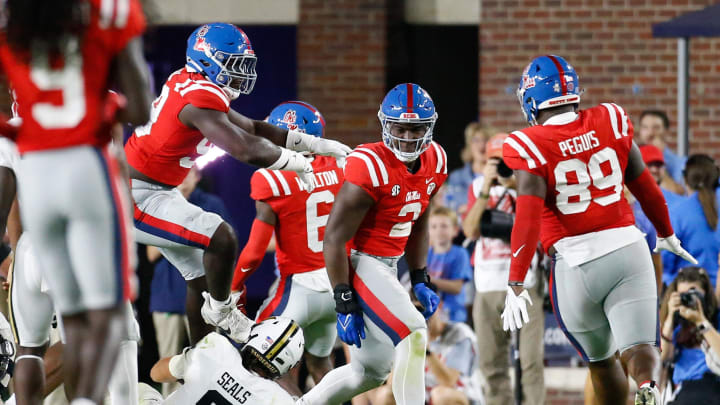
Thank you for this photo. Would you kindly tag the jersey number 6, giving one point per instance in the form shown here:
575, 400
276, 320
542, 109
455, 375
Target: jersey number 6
590, 173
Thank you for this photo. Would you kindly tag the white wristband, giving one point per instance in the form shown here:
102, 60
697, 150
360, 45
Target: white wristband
299, 141
289, 160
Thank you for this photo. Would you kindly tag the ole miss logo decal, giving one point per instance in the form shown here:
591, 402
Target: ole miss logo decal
290, 119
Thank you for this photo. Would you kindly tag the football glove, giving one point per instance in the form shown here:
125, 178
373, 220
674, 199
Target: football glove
300, 142
350, 324
296, 162
424, 291
672, 244
515, 313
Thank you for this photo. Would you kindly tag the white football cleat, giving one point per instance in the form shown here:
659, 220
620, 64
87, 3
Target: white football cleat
648, 394
229, 319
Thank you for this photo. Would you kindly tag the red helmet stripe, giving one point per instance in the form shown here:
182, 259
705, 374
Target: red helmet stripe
410, 102
561, 72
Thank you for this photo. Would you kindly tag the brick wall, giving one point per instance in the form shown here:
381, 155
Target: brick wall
341, 64
610, 44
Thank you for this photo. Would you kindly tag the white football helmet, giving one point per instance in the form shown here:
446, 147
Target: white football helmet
275, 346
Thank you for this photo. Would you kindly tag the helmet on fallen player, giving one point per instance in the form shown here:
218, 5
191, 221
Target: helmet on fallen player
407, 103
298, 116
275, 346
548, 81
224, 54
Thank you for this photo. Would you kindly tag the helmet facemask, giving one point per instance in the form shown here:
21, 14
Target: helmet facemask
237, 73
408, 149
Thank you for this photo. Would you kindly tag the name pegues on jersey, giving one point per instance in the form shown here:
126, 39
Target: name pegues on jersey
61, 100
583, 163
400, 196
215, 375
165, 149
301, 216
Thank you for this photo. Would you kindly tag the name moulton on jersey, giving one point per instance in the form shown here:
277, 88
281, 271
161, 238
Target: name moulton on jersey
323, 179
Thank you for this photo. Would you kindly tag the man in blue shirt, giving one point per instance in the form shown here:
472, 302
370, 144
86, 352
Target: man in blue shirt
654, 126
448, 265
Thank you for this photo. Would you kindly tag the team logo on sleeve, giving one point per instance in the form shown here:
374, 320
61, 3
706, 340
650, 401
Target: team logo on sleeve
395, 190
430, 188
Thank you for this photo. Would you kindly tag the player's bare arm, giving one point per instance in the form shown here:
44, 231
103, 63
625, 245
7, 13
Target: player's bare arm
218, 129
635, 165
418, 242
351, 205
274, 134
161, 371
132, 77
265, 213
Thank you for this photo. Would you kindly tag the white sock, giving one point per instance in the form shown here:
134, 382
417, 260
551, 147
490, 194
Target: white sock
123, 386
82, 401
11, 400
218, 305
408, 383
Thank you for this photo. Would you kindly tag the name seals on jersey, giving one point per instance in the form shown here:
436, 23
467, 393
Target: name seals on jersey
232, 387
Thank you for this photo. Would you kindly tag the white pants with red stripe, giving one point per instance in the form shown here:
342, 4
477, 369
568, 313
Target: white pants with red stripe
76, 213
390, 318
181, 230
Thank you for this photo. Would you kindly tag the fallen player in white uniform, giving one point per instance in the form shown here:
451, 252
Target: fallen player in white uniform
217, 372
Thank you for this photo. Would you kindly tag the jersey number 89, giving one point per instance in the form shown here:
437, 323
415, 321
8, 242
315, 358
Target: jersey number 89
587, 174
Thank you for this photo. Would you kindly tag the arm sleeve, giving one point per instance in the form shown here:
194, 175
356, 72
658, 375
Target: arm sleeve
253, 253
652, 202
525, 235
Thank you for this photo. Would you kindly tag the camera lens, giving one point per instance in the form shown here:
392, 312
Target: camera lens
503, 170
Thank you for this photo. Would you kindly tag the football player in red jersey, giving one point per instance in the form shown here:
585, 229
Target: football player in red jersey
60, 58
303, 292
193, 113
380, 213
571, 167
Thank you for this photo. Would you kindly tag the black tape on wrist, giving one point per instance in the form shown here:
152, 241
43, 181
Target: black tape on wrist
419, 276
345, 301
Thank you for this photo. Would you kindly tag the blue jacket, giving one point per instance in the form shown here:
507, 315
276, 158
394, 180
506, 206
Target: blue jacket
697, 237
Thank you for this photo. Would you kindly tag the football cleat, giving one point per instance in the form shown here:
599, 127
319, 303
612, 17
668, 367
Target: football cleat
648, 394
229, 320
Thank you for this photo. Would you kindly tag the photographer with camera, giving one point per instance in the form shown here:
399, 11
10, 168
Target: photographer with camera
490, 217
690, 339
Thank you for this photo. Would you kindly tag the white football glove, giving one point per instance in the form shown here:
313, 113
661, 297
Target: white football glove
301, 142
515, 313
672, 244
298, 163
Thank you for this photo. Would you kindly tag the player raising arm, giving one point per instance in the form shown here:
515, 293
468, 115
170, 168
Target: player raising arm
571, 167
380, 212
193, 113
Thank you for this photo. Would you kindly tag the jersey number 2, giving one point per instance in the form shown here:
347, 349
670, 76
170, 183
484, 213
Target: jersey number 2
212, 397
69, 81
590, 173
403, 229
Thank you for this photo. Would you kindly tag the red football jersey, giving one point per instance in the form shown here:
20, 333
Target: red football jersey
301, 216
583, 163
61, 101
400, 196
165, 149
